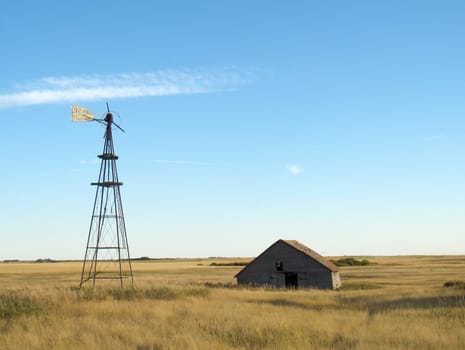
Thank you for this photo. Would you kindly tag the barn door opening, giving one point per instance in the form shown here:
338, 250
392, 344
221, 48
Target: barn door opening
291, 279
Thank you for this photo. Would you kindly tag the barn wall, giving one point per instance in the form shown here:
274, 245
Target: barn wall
336, 280
262, 271
319, 278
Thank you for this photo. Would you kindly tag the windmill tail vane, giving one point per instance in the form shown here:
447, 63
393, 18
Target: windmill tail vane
81, 114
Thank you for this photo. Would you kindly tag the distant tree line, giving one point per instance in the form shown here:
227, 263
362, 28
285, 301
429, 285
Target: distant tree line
47, 260
351, 262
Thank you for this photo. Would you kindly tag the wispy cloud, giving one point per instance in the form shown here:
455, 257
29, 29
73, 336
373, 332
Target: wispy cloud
439, 137
125, 85
294, 169
436, 137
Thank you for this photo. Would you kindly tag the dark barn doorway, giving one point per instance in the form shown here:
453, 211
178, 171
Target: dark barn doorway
291, 279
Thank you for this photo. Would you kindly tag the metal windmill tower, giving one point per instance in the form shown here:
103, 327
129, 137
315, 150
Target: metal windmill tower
107, 251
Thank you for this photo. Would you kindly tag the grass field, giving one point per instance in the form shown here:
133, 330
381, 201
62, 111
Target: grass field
394, 303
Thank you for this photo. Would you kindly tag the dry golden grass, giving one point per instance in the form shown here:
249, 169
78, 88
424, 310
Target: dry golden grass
398, 303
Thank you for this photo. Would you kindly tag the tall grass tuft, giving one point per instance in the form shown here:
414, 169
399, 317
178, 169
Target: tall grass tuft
14, 305
151, 293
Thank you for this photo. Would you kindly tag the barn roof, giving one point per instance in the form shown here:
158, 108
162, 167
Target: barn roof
302, 248
312, 254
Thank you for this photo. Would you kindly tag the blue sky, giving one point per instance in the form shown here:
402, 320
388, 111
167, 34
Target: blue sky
337, 123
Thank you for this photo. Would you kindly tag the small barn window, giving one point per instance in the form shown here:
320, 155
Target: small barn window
279, 266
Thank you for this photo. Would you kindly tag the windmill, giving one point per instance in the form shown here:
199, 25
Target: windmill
107, 251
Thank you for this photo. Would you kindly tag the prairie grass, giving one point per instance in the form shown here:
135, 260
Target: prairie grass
394, 303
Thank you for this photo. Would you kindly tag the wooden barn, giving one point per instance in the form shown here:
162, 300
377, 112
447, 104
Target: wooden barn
288, 263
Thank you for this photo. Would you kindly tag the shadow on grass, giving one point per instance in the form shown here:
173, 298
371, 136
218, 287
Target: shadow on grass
359, 286
451, 301
227, 285
288, 303
372, 306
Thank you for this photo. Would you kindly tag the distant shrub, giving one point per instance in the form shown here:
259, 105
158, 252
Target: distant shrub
454, 284
351, 262
47, 260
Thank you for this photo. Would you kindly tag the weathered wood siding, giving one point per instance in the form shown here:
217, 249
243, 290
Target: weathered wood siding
310, 273
336, 280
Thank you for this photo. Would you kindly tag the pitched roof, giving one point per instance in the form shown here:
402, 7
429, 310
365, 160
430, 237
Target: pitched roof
302, 248
312, 254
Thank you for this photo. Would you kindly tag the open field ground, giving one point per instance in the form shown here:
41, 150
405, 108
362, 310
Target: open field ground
395, 303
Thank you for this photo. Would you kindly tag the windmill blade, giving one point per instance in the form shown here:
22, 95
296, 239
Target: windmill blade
119, 127
81, 114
